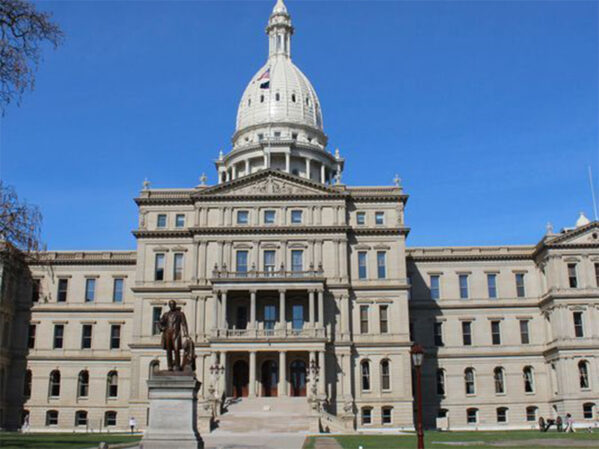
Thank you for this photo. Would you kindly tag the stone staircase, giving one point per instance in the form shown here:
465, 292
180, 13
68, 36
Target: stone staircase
264, 415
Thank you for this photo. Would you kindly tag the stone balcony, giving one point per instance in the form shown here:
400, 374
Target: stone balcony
268, 334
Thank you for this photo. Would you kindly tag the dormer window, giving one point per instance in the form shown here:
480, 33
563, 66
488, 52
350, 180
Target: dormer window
260, 137
294, 136
277, 134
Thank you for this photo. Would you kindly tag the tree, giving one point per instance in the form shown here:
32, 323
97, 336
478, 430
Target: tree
23, 31
20, 223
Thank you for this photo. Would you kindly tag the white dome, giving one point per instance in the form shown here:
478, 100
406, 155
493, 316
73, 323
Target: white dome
290, 98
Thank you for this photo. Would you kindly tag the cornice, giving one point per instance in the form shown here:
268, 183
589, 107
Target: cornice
85, 258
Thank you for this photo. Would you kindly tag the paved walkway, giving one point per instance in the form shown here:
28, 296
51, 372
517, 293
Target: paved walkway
254, 441
327, 443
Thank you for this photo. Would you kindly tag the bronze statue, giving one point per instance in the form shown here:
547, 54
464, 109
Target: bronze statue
175, 337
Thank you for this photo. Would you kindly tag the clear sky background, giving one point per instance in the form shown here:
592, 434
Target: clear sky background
487, 110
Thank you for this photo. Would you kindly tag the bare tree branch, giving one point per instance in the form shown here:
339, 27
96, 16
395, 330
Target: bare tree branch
23, 31
20, 223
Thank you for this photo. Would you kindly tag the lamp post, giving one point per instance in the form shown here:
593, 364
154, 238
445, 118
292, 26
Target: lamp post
314, 371
216, 370
417, 354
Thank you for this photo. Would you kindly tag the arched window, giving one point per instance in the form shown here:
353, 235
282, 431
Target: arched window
385, 375
81, 418
583, 374
27, 383
529, 380
293, 98
365, 365
587, 410
83, 384
54, 385
501, 414
441, 382
366, 415
472, 415
112, 384
277, 96
498, 377
531, 413
110, 418
469, 381
52, 418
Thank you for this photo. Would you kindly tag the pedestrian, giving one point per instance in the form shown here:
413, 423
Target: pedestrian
132, 424
569, 423
542, 424
559, 424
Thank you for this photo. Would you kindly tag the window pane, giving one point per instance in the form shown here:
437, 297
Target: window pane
364, 319
269, 216
115, 336
520, 292
180, 220
435, 291
384, 321
524, 337
58, 336
438, 333
270, 316
492, 285
117, 292
297, 262
86, 336
466, 333
297, 316
578, 325
156, 314
381, 267
269, 261
361, 218
90, 290
463, 286
379, 218
178, 267
362, 264
63, 285
296, 216
161, 221
31, 342
159, 267
572, 279
242, 217
242, 261
495, 332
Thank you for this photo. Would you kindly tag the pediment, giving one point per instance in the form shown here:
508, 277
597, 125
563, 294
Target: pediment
583, 235
268, 183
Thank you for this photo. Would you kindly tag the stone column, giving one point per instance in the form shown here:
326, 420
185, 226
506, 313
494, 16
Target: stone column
282, 374
323, 373
288, 162
223, 322
322, 178
311, 308
247, 167
308, 168
234, 172
347, 375
215, 311
282, 321
252, 309
252, 392
320, 308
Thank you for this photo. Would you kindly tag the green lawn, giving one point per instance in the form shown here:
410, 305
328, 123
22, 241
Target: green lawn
435, 440
12, 440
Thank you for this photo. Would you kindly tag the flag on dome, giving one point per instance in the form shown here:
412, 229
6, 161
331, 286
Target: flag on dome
264, 79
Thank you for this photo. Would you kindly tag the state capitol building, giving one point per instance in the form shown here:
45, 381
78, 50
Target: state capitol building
301, 294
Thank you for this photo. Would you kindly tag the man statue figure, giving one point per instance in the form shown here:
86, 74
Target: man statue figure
174, 334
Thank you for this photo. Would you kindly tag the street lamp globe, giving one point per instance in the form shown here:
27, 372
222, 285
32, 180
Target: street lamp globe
417, 354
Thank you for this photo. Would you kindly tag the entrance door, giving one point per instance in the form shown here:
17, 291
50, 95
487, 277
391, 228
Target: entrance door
298, 378
270, 378
241, 378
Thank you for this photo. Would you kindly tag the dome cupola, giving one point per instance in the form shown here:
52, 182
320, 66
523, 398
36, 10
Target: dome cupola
279, 119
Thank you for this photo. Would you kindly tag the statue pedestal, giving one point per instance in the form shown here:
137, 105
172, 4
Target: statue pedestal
173, 412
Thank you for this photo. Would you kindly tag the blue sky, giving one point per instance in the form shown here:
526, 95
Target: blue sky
487, 110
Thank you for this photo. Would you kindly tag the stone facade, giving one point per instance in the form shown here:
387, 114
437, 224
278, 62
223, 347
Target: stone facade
295, 284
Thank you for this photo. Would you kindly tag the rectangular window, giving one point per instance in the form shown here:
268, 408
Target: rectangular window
115, 336
438, 333
58, 336
178, 267
269, 261
296, 216
501, 415
241, 261
435, 287
463, 278
381, 264
297, 260
63, 286
386, 415
90, 290
270, 316
379, 218
520, 291
384, 319
31, 335
86, 336
361, 218
243, 217
363, 319
472, 415
180, 220
496, 332
269, 217
572, 279
366, 415
524, 337
362, 256
597, 274
156, 314
117, 290
297, 316
492, 285
578, 325
159, 267
161, 221
35, 290
467, 333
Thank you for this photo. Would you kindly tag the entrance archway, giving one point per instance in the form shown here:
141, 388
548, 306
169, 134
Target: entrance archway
270, 378
298, 378
241, 378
